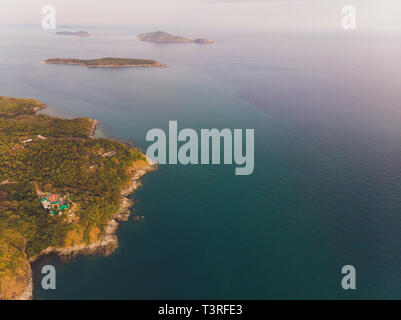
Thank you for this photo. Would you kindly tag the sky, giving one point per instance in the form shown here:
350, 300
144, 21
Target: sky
372, 15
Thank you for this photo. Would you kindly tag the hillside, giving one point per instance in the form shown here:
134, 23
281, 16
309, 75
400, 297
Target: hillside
58, 186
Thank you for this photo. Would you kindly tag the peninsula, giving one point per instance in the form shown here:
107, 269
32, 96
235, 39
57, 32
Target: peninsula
107, 62
61, 190
77, 33
164, 37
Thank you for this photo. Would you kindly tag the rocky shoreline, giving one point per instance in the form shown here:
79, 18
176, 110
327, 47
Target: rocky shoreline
94, 124
108, 241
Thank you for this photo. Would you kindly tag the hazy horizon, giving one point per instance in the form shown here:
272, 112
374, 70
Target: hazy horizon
285, 15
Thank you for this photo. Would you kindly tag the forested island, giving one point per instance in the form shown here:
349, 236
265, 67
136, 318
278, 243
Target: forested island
70, 33
107, 62
61, 190
164, 37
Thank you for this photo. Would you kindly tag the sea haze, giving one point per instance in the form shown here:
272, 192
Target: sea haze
326, 189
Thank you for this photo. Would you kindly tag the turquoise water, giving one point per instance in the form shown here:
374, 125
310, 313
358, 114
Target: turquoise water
325, 191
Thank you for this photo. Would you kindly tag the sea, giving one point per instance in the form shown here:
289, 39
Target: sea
326, 187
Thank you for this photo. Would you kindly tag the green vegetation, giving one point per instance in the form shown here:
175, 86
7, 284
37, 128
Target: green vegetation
107, 62
39, 153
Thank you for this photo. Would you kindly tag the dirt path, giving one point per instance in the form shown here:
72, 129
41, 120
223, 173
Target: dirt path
38, 191
7, 182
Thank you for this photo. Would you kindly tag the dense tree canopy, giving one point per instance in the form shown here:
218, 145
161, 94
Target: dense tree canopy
39, 152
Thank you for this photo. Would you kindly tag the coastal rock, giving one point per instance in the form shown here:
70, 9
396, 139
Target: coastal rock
94, 124
28, 292
124, 212
138, 219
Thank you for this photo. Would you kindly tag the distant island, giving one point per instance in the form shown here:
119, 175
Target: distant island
160, 36
164, 37
107, 62
70, 33
62, 192
203, 41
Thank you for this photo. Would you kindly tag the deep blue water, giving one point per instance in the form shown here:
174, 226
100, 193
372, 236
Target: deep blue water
326, 190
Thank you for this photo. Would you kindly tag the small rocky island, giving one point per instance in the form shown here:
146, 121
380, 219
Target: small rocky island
164, 37
107, 62
77, 33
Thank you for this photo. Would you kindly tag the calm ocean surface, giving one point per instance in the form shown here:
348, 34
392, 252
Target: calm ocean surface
326, 190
